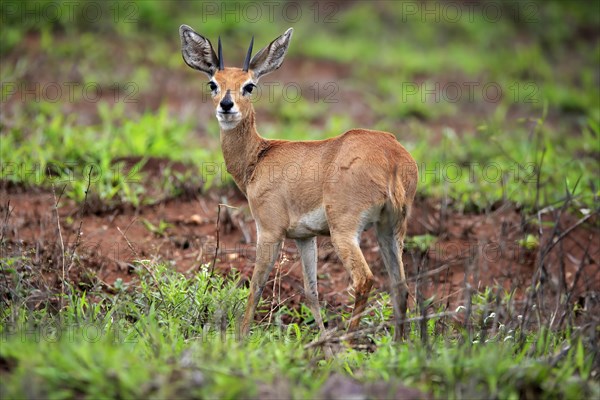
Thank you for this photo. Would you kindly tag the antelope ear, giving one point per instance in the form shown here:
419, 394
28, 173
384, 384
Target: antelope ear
271, 57
197, 51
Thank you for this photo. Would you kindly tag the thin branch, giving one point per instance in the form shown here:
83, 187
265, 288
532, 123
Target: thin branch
567, 233
5, 222
60, 236
214, 261
79, 234
331, 338
537, 179
133, 250
218, 228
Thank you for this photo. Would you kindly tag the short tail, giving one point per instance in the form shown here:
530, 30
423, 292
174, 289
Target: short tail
402, 188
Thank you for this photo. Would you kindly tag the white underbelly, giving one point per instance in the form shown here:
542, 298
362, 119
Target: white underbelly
310, 224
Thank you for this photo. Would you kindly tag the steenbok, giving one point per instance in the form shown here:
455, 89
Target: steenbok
300, 189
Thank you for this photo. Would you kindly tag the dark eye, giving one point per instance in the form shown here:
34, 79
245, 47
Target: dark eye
249, 88
212, 86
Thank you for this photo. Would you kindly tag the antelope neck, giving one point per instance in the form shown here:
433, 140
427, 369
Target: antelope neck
242, 148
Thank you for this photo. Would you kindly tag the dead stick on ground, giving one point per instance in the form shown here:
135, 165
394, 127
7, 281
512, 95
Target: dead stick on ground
214, 261
79, 234
135, 253
5, 222
2, 233
332, 338
60, 236
571, 290
566, 233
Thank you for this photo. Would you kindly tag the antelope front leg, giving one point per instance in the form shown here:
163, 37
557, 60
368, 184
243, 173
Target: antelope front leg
266, 254
308, 253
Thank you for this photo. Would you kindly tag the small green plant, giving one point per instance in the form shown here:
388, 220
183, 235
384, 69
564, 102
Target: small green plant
420, 243
160, 229
529, 242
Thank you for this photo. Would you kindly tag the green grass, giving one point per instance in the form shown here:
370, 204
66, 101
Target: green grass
55, 149
174, 336
530, 164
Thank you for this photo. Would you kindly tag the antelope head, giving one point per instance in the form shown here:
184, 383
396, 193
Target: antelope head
231, 87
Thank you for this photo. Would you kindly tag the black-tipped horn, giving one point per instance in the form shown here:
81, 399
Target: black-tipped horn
220, 55
248, 55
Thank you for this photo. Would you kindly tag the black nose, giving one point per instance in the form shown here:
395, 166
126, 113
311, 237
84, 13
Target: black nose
226, 103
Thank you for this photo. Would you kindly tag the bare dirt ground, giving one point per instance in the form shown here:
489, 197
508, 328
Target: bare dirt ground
481, 249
